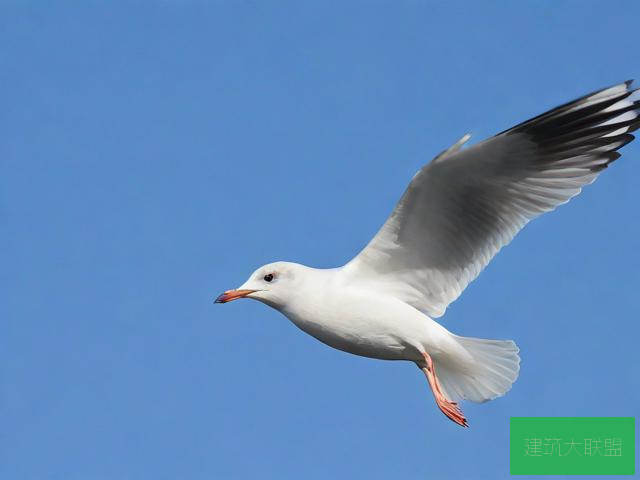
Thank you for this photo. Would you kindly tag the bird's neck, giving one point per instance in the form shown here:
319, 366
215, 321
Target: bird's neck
313, 292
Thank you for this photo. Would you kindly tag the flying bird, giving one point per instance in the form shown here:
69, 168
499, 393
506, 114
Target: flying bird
458, 211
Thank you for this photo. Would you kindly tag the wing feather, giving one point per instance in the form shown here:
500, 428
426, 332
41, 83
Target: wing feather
465, 205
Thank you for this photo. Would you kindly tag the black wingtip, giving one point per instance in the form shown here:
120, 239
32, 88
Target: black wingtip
634, 126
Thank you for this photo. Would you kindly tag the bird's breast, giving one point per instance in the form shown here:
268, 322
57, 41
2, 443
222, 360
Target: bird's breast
361, 324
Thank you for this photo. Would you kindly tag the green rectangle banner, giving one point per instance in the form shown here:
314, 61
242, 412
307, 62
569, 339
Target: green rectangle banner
572, 446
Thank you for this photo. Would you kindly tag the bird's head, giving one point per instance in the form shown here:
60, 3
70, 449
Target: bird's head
272, 284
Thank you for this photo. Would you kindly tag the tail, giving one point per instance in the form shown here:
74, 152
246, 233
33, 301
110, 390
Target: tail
487, 372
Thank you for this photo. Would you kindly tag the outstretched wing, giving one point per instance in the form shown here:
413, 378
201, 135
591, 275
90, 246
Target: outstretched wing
465, 205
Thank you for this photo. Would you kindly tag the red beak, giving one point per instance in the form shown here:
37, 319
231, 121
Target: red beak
231, 295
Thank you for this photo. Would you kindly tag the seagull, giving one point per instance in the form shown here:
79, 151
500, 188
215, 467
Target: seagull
458, 211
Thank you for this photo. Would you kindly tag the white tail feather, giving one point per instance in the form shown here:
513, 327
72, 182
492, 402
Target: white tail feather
494, 367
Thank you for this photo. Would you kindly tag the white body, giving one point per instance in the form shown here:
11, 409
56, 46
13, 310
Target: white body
349, 318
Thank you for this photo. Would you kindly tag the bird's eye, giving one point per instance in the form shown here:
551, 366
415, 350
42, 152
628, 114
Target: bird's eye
268, 277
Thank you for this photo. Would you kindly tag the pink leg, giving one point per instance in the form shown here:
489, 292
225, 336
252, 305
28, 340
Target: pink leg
449, 408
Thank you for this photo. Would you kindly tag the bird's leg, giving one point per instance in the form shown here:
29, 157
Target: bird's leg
449, 408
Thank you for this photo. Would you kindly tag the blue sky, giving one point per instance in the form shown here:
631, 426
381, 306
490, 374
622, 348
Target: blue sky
154, 153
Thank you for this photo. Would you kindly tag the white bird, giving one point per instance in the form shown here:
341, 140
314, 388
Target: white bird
456, 214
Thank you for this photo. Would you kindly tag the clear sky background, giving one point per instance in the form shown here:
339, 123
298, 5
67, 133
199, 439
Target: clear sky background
153, 154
